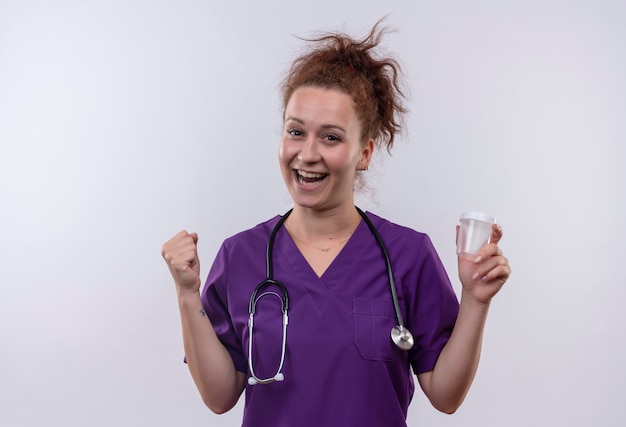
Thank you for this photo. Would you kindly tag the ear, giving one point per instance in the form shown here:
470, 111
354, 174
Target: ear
366, 153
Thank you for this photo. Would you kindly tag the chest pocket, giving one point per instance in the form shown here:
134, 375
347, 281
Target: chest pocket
373, 321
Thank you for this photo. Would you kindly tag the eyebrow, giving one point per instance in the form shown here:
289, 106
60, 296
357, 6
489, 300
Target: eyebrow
325, 126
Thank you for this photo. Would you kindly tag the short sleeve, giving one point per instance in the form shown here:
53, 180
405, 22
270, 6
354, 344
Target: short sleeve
215, 303
433, 308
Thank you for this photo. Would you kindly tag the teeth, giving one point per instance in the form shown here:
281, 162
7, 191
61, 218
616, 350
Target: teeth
311, 175
309, 178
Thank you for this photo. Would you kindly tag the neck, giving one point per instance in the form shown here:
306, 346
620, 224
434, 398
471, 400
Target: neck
320, 226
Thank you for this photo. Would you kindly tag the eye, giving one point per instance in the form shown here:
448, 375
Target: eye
331, 137
295, 132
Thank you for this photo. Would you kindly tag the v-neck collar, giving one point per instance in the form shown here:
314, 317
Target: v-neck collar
320, 288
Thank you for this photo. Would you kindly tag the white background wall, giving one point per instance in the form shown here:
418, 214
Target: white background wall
122, 122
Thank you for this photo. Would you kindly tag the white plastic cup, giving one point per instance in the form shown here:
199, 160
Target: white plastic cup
475, 232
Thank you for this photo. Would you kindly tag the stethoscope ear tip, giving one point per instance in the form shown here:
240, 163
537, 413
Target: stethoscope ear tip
254, 380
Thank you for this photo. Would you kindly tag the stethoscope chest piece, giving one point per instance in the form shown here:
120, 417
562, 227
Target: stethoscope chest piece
402, 337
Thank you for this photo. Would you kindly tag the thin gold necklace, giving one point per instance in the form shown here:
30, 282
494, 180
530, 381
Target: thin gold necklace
325, 250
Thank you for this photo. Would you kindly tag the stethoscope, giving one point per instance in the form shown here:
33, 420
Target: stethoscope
400, 335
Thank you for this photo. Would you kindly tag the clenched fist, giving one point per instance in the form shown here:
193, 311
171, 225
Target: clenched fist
181, 255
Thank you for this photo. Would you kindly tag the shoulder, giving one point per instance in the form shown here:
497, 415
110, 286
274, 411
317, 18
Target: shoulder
401, 240
245, 248
391, 230
258, 234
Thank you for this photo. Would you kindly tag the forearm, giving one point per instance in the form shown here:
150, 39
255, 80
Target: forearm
447, 385
210, 364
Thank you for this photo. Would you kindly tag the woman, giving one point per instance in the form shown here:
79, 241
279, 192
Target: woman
337, 364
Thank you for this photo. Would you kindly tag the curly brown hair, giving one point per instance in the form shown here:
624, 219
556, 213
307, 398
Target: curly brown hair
338, 61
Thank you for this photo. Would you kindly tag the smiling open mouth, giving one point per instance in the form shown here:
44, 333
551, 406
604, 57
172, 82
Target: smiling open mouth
309, 178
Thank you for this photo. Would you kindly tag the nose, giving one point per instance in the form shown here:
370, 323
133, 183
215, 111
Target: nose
309, 151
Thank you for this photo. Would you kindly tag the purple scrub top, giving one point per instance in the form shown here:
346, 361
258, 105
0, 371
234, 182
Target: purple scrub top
341, 367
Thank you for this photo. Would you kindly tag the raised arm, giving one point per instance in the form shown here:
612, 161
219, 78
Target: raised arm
482, 277
210, 364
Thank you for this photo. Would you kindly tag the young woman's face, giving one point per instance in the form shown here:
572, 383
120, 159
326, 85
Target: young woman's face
320, 148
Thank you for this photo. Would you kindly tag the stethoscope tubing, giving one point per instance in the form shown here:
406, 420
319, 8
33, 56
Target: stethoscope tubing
392, 282
399, 334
